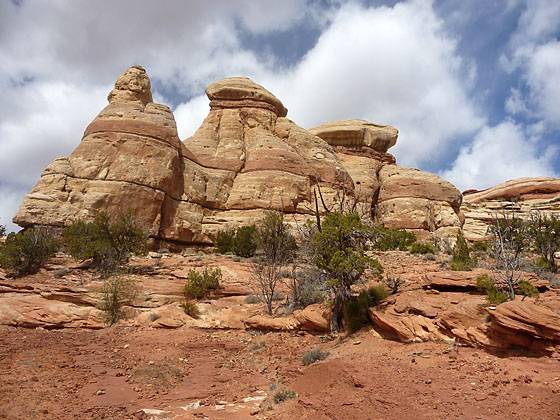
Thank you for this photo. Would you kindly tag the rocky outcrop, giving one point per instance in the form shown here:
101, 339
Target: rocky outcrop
524, 324
521, 196
129, 158
361, 148
418, 201
245, 158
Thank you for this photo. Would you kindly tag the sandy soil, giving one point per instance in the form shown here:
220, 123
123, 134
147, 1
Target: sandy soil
130, 372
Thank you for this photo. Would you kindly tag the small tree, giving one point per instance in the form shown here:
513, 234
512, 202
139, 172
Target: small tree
27, 251
339, 253
509, 234
544, 233
277, 246
109, 244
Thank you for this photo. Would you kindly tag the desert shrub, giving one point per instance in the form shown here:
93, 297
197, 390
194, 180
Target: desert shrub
199, 284
245, 241
307, 286
284, 395
225, 240
26, 252
393, 283
339, 252
108, 243
495, 296
510, 239
117, 292
376, 294
313, 356
386, 239
486, 284
422, 248
461, 257
355, 312
190, 308
480, 246
526, 289
252, 299
544, 235
277, 246
541, 263
241, 241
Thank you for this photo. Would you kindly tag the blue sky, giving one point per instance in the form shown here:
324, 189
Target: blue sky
472, 86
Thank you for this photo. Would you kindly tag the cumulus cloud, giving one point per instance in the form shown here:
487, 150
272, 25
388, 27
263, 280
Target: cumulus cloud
534, 50
390, 65
398, 65
499, 153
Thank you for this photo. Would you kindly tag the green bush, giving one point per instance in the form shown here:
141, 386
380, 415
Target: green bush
116, 292
109, 244
313, 356
225, 240
544, 235
190, 308
386, 239
462, 259
422, 248
199, 284
27, 251
376, 294
245, 241
338, 251
480, 246
284, 395
486, 284
526, 289
241, 241
355, 313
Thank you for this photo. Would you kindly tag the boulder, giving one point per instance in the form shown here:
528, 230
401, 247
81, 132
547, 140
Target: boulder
357, 134
521, 196
522, 323
361, 148
419, 201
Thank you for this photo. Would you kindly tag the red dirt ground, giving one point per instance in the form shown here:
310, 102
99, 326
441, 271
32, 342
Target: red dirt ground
131, 372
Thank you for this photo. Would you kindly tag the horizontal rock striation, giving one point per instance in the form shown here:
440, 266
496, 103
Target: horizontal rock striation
521, 196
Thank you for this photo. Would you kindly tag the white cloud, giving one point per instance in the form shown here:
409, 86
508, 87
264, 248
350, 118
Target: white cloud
498, 154
534, 49
388, 65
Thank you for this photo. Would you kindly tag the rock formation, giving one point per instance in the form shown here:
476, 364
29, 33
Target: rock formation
245, 158
399, 197
418, 201
522, 196
129, 157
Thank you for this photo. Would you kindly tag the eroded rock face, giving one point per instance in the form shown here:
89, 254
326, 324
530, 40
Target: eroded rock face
418, 201
246, 156
129, 158
361, 147
521, 196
